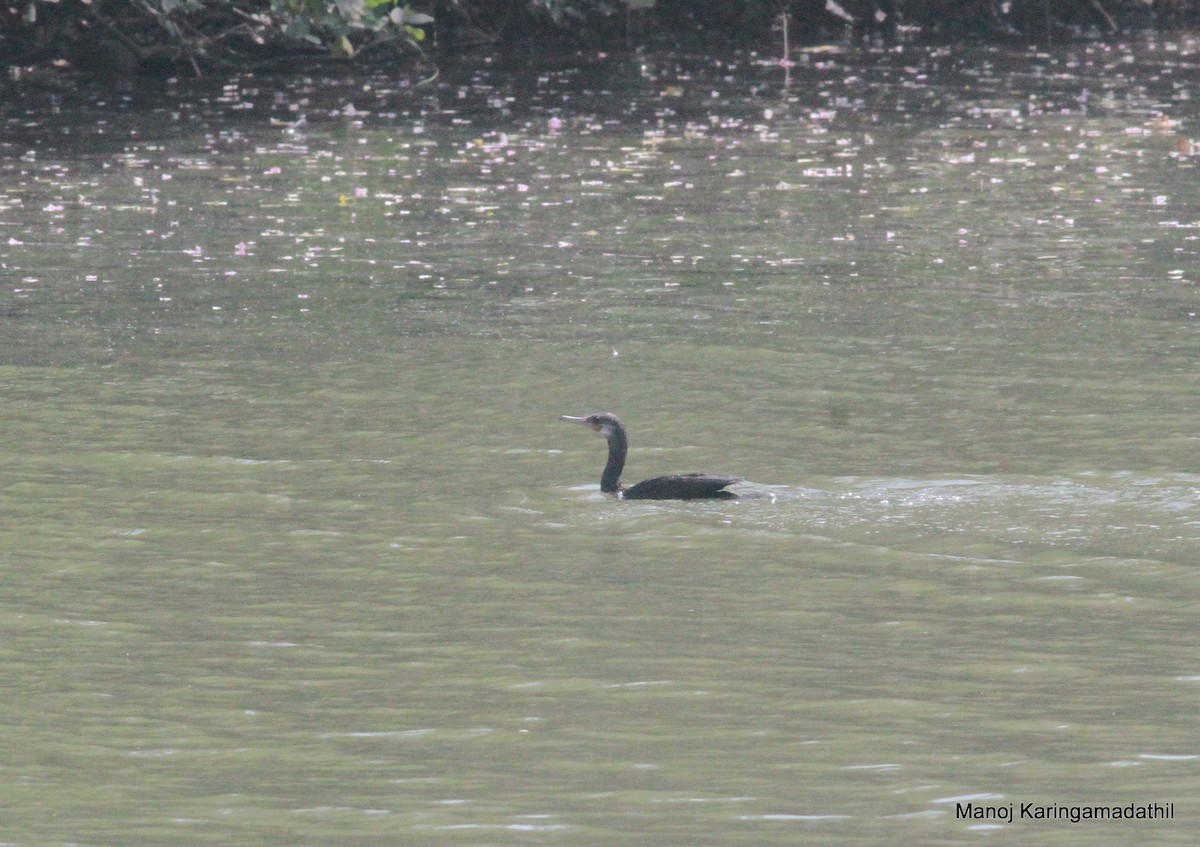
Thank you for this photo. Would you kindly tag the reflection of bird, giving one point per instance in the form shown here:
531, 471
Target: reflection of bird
688, 486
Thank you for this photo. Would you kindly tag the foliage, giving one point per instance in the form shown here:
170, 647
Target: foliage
343, 22
205, 32
241, 33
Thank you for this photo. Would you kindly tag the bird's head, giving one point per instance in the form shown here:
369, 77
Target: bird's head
605, 423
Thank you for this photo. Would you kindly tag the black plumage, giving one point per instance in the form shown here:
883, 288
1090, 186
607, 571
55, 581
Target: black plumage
689, 486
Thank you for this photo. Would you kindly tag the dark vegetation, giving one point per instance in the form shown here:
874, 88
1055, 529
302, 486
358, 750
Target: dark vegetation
123, 37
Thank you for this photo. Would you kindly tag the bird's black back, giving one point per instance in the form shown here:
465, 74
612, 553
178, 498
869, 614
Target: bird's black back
688, 486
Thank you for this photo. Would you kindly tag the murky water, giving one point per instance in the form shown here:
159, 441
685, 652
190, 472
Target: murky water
294, 549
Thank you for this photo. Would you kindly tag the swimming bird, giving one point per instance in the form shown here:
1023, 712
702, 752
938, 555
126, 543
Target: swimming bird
688, 486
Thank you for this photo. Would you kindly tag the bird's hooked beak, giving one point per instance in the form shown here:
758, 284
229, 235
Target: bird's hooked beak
583, 420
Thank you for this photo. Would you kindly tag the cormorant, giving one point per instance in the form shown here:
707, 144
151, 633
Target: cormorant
688, 486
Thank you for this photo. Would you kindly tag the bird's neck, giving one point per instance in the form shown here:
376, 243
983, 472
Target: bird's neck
610, 480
